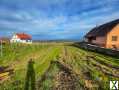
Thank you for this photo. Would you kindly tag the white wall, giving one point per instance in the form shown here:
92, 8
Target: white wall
15, 39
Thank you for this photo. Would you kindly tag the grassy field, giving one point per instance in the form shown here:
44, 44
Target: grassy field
80, 69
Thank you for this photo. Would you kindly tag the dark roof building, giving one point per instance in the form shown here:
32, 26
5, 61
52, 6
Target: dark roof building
102, 30
106, 35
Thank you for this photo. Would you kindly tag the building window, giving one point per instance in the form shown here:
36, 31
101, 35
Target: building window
114, 38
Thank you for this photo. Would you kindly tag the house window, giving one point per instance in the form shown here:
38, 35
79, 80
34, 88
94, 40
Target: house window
114, 38
27, 40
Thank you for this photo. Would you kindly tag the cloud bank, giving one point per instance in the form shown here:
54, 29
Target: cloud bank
55, 19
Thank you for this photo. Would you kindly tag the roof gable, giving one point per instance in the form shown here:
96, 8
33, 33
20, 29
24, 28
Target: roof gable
102, 30
23, 36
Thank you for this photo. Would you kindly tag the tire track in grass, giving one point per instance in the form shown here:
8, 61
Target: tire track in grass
67, 60
100, 70
42, 60
103, 61
107, 60
100, 63
20, 68
64, 66
43, 64
81, 68
61, 76
105, 68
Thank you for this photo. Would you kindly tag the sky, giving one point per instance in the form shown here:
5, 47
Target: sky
55, 19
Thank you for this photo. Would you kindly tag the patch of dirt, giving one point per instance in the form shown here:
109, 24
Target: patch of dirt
64, 79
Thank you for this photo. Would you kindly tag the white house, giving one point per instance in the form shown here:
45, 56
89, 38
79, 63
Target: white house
21, 38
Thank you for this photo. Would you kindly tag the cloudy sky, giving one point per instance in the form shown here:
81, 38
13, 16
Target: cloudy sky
55, 19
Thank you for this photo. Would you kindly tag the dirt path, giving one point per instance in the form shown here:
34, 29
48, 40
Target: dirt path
78, 67
64, 79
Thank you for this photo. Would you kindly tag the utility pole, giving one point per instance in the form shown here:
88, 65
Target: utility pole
1, 48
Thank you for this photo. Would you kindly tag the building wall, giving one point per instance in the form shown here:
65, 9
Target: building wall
114, 32
101, 41
15, 39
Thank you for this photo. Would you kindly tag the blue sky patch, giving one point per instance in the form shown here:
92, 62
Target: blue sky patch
55, 19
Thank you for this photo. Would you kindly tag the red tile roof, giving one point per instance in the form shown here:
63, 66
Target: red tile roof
23, 36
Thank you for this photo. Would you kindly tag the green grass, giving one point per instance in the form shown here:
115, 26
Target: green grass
49, 81
17, 57
96, 75
41, 54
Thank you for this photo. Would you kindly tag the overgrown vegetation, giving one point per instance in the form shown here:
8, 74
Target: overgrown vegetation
92, 70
